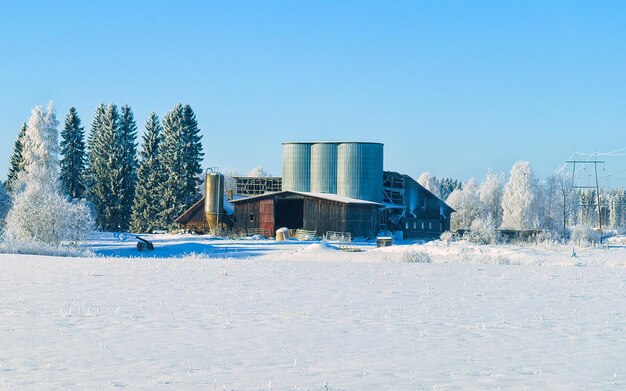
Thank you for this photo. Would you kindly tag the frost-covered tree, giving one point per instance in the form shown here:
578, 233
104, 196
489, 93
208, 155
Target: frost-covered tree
73, 162
431, 183
150, 175
490, 192
230, 183
466, 202
182, 157
566, 198
40, 214
520, 199
587, 208
17, 160
617, 210
258, 171
41, 148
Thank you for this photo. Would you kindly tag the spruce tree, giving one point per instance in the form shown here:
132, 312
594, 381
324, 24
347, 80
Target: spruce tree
72, 174
150, 176
94, 155
106, 157
182, 157
127, 137
17, 160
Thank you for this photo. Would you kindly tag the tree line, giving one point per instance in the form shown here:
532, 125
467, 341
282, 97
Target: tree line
127, 189
527, 202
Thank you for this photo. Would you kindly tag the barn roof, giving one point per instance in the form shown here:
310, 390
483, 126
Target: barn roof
323, 196
189, 213
186, 216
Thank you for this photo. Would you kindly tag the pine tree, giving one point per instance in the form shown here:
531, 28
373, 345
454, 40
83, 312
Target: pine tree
447, 186
150, 176
17, 160
181, 156
5, 205
73, 150
127, 137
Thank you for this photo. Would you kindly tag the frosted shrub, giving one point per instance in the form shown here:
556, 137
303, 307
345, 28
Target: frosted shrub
415, 256
547, 238
483, 231
43, 216
582, 235
449, 237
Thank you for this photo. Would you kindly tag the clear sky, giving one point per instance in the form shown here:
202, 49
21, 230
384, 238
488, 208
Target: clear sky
450, 87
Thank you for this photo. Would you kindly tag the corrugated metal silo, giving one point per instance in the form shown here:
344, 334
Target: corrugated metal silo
213, 198
324, 168
411, 195
360, 171
297, 166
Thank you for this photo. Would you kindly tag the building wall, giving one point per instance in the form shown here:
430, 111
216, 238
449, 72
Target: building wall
323, 215
242, 214
318, 215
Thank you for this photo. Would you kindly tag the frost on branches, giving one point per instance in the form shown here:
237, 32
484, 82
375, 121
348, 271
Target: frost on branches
466, 202
430, 182
257, 172
520, 200
40, 214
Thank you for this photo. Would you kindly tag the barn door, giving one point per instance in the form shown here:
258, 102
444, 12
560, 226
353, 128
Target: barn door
266, 216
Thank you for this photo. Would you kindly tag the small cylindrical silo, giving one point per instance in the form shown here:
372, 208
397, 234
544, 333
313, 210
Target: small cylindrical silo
297, 166
213, 198
324, 168
360, 171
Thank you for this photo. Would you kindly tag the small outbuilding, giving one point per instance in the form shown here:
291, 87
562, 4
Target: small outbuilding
320, 212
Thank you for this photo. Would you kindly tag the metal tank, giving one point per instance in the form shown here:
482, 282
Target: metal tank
411, 195
213, 198
324, 168
360, 171
297, 166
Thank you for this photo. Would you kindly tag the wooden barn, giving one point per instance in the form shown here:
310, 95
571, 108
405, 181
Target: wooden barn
413, 209
318, 212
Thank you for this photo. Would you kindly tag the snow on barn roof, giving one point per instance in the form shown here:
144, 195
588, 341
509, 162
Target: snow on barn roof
324, 196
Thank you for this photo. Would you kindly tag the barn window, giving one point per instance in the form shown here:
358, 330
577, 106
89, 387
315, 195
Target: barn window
251, 217
422, 225
407, 225
414, 225
430, 225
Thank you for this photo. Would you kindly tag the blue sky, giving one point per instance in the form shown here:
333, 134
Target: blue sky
453, 88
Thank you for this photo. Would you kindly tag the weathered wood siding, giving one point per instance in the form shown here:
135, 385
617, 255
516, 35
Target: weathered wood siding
318, 214
323, 215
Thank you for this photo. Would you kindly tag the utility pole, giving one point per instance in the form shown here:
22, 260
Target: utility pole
597, 186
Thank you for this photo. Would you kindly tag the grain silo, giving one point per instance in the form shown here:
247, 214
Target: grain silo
360, 171
324, 167
297, 166
214, 198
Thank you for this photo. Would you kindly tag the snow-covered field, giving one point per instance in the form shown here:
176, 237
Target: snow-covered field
250, 315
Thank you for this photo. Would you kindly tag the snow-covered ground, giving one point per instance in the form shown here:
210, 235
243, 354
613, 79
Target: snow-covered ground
250, 315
